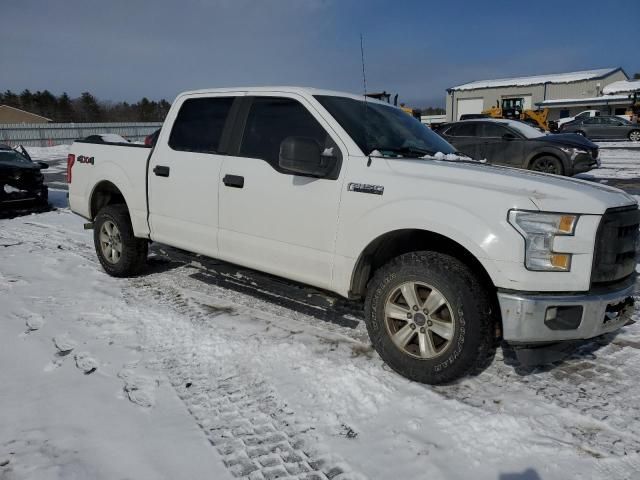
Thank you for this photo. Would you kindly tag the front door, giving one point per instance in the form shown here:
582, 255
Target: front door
500, 145
463, 136
184, 173
271, 219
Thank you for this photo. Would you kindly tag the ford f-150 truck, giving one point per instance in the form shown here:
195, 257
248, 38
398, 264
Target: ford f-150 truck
354, 196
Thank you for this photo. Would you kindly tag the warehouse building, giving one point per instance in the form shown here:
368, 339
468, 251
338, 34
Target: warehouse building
538, 90
15, 115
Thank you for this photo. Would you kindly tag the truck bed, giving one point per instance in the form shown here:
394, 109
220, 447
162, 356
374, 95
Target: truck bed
124, 165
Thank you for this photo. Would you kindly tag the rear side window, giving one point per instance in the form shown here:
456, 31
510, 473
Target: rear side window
491, 130
199, 124
463, 130
271, 120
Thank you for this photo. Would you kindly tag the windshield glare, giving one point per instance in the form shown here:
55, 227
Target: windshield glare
375, 126
12, 155
526, 130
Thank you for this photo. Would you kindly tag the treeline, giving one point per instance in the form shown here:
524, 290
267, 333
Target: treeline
85, 108
433, 111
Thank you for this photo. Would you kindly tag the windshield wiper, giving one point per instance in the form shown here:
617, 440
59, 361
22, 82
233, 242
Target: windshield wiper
404, 150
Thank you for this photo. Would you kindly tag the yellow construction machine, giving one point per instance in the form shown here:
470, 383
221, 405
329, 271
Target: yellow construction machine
386, 97
513, 108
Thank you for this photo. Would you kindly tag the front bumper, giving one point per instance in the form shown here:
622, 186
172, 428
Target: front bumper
524, 314
584, 162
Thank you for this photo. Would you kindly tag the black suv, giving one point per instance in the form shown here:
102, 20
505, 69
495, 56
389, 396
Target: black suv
516, 144
20, 178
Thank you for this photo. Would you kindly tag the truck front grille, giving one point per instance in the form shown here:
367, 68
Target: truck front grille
616, 244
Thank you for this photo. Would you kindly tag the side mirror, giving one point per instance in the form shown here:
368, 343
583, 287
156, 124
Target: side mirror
43, 165
302, 155
509, 136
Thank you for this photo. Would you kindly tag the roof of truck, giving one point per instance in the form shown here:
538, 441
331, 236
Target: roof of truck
283, 89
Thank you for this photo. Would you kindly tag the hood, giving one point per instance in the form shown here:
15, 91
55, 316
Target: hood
18, 165
570, 140
551, 193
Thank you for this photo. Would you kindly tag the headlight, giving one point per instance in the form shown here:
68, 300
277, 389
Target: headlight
573, 151
539, 229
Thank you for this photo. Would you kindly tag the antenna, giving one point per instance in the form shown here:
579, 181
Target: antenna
364, 76
366, 106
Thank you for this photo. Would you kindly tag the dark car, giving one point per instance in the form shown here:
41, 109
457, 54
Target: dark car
604, 127
473, 116
20, 178
517, 144
151, 139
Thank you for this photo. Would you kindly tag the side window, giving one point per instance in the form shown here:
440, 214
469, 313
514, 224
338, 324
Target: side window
491, 130
463, 130
199, 124
273, 119
583, 115
592, 121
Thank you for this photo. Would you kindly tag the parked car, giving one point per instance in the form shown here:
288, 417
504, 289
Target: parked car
151, 139
106, 138
21, 179
450, 255
604, 128
473, 116
580, 116
517, 144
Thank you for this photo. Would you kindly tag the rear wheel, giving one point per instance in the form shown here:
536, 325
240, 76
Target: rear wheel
120, 253
429, 317
634, 135
547, 164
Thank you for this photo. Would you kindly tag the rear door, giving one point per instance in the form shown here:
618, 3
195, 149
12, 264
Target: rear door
500, 150
594, 127
463, 136
271, 219
184, 173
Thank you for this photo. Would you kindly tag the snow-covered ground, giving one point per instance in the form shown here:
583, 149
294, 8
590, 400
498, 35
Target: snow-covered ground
199, 369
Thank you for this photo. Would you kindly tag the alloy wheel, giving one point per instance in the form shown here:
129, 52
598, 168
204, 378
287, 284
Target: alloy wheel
110, 242
419, 320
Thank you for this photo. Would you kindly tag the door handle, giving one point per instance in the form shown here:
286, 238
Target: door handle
235, 181
161, 171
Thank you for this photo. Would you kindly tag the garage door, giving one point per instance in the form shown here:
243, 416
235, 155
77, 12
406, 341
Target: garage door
469, 105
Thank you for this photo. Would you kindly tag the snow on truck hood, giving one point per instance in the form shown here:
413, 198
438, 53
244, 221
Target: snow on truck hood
550, 193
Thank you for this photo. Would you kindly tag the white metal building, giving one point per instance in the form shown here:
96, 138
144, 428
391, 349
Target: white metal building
474, 97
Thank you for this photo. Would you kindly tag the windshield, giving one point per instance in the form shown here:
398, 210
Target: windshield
527, 130
388, 129
12, 156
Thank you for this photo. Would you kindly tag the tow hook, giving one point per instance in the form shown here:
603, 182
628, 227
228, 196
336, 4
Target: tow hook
88, 226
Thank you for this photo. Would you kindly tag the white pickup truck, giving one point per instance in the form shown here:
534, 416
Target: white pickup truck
356, 197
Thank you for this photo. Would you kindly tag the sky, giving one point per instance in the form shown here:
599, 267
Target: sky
124, 50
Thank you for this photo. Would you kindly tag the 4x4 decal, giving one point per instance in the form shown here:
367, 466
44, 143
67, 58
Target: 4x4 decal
83, 159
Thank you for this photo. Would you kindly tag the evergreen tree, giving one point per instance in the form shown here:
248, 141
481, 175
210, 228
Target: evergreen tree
64, 112
89, 109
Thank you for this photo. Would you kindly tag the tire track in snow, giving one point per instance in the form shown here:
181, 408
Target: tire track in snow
257, 434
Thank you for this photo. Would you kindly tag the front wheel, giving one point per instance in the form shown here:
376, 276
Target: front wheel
429, 317
120, 253
547, 165
634, 135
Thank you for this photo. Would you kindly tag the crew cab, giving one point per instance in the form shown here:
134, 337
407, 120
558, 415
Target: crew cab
352, 195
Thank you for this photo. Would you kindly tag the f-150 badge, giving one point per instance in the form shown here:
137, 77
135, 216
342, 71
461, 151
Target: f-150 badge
365, 188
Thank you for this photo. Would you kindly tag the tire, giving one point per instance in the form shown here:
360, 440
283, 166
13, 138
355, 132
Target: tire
634, 135
468, 306
132, 254
547, 164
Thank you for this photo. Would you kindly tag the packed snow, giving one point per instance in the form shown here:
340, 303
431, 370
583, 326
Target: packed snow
537, 79
200, 369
